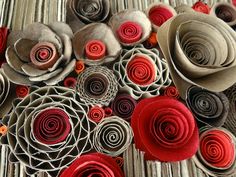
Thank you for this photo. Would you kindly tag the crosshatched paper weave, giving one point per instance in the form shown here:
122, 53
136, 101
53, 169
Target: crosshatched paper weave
17, 14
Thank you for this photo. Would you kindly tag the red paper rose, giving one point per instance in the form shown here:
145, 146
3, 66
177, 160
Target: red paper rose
93, 164
164, 129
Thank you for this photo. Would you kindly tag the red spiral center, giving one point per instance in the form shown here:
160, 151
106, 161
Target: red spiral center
141, 71
43, 55
96, 114
201, 7
129, 32
159, 14
22, 91
51, 126
217, 148
95, 50
70, 82
171, 91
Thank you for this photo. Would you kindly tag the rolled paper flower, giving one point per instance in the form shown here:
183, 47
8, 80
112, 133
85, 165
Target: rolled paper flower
39, 53
3, 130
230, 123
225, 12
183, 8
210, 108
96, 44
79, 66
129, 32
51, 126
151, 41
201, 7
97, 85
22, 91
164, 129
95, 50
123, 106
131, 27
198, 49
7, 94
96, 114
141, 72
119, 161
3, 41
159, 13
108, 112
216, 153
52, 130
93, 164
112, 136
70, 82
171, 91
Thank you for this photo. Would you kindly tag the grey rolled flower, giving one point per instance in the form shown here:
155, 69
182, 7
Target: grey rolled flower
39, 53
48, 129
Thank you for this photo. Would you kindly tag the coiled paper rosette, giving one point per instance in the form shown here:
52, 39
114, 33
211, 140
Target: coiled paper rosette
164, 129
200, 50
224, 11
97, 85
210, 108
48, 129
216, 153
112, 136
96, 44
141, 72
200, 6
7, 94
94, 164
80, 12
123, 106
158, 13
131, 27
39, 53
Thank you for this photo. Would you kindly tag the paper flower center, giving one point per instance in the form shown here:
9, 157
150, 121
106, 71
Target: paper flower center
95, 50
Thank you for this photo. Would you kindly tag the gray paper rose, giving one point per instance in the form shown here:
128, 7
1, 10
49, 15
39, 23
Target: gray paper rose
39, 53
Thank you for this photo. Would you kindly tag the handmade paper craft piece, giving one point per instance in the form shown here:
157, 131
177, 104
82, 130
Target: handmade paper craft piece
94, 164
123, 106
22, 91
96, 113
225, 12
97, 85
96, 44
200, 6
216, 153
171, 91
159, 13
48, 129
3, 42
39, 53
141, 72
7, 94
70, 82
200, 50
208, 107
131, 27
112, 136
164, 129
80, 12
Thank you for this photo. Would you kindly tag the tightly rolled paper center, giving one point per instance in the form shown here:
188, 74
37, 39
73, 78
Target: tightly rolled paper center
51, 126
171, 91
201, 7
217, 148
21, 91
141, 70
44, 55
225, 13
129, 32
95, 50
159, 15
96, 114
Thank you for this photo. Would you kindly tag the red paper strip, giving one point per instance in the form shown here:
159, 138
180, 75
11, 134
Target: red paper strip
95, 50
171, 91
70, 82
141, 71
96, 114
92, 165
43, 55
164, 129
22, 91
3, 41
159, 15
201, 7
51, 126
129, 32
